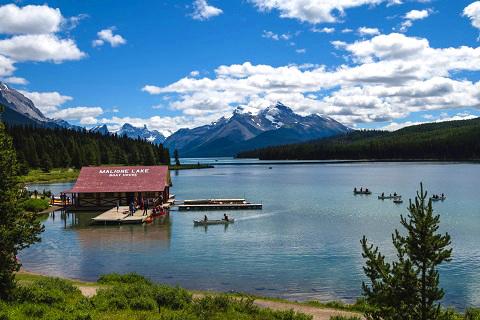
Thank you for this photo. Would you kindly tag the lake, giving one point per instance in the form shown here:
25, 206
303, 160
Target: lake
303, 245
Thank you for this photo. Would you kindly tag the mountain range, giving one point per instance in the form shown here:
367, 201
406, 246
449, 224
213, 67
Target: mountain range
130, 131
274, 125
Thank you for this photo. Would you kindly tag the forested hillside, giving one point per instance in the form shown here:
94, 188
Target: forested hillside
48, 148
452, 140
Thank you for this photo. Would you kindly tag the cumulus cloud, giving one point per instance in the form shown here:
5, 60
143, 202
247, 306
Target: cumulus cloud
77, 113
16, 80
365, 31
30, 19
203, 11
390, 77
47, 102
6, 66
413, 15
472, 11
312, 11
107, 36
40, 47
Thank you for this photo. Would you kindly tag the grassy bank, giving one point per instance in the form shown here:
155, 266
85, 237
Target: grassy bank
190, 166
54, 175
126, 297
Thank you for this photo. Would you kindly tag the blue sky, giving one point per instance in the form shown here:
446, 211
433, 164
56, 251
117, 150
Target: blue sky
173, 64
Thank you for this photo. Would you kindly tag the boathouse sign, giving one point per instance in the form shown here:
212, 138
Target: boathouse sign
124, 172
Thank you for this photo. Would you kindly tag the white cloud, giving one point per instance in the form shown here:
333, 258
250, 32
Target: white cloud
6, 66
393, 126
417, 14
194, 73
30, 19
390, 77
312, 11
324, 30
301, 51
347, 30
107, 36
365, 31
414, 15
41, 47
203, 11
271, 35
47, 102
472, 11
77, 113
16, 80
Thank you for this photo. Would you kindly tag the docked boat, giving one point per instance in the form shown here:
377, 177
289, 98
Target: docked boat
212, 222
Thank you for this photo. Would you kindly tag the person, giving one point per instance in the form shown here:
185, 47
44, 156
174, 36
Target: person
131, 209
145, 208
225, 217
355, 189
118, 205
443, 196
366, 190
383, 194
53, 199
205, 218
394, 194
361, 189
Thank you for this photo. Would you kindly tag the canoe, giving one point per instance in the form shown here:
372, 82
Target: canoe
438, 199
397, 200
388, 197
362, 192
211, 222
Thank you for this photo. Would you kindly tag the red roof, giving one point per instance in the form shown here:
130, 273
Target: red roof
122, 179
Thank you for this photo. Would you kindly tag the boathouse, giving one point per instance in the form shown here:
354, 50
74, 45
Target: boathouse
102, 187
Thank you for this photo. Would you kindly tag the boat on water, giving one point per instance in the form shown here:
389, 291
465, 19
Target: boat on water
212, 222
398, 200
438, 198
387, 197
362, 192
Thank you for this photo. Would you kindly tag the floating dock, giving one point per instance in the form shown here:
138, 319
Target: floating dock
121, 217
218, 204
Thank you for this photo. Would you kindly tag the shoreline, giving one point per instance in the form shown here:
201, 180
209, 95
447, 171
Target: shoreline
318, 310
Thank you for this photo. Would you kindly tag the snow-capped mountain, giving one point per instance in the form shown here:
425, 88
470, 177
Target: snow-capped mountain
20, 110
133, 132
274, 125
143, 133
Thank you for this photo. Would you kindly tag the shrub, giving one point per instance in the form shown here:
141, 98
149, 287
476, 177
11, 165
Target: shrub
472, 314
143, 303
128, 278
34, 310
173, 298
35, 205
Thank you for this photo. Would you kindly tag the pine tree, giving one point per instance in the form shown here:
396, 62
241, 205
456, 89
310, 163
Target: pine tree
18, 229
177, 159
408, 288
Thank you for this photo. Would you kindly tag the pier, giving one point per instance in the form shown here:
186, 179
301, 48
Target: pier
218, 204
121, 217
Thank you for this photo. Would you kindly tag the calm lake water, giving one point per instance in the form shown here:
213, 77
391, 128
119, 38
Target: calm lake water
303, 245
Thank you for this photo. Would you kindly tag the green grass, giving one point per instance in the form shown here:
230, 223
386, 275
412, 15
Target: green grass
35, 205
54, 175
126, 297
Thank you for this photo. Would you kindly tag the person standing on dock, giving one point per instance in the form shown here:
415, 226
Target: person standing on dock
118, 205
145, 208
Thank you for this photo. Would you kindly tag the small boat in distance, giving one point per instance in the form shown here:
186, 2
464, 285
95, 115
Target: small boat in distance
212, 222
438, 198
386, 197
398, 200
361, 191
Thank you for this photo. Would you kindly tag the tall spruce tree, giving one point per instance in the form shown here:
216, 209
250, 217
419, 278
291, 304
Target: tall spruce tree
18, 229
408, 288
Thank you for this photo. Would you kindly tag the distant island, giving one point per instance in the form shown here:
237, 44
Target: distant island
443, 141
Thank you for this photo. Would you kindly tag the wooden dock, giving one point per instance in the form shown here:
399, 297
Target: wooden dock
121, 217
220, 206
